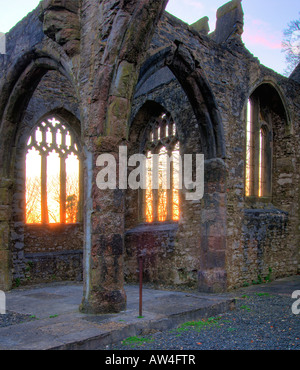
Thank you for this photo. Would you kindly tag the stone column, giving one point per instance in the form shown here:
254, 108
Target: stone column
5, 215
104, 281
212, 277
113, 42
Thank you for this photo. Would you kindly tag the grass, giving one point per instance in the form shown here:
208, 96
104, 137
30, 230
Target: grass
244, 307
134, 341
195, 325
262, 294
199, 325
231, 329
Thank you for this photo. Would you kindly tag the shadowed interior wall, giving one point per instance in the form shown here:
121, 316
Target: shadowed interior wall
105, 67
45, 252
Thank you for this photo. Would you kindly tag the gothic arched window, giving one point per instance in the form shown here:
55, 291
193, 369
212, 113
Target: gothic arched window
258, 151
163, 166
52, 174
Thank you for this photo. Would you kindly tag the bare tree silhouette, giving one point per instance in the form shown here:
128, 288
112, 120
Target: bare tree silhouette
33, 200
291, 45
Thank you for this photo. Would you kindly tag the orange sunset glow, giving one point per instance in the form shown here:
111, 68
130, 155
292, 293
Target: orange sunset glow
52, 175
164, 191
250, 156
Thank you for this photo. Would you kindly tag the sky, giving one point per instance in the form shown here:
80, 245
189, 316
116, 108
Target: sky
264, 21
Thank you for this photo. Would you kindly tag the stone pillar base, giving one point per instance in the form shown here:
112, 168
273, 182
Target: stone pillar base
104, 302
212, 281
5, 271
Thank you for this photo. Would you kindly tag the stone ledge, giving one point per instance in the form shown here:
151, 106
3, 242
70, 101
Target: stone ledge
52, 255
154, 227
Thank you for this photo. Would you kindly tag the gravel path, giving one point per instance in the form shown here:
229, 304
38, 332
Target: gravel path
12, 318
261, 321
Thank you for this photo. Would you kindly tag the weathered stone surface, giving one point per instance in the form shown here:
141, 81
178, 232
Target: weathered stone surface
5, 270
107, 68
212, 281
230, 21
120, 56
104, 302
61, 23
55, 266
295, 75
156, 245
201, 26
71, 5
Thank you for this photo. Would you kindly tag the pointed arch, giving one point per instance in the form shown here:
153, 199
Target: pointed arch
188, 72
19, 84
266, 114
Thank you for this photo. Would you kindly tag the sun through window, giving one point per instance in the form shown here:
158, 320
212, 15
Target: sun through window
258, 152
163, 156
52, 174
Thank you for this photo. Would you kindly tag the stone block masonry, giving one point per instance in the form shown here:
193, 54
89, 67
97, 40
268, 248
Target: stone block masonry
109, 69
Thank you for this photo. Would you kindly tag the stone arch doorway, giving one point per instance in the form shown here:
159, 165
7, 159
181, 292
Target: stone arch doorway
269, 167
50, 175
178, 62
200, 262
22, 104
267, 126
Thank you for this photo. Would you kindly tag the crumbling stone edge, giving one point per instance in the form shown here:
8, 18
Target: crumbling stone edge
144, 327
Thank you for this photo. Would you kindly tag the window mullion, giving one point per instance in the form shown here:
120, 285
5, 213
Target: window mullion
44, 200
52, 140
155, 186
256, 146
80, 195
155, 204
63, 195
161, 137
170, 189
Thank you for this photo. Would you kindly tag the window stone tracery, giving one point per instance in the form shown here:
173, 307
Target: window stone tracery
52, 174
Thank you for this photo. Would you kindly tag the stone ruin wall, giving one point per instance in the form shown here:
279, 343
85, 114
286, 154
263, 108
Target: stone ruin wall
43, 253
222, 242
169, 258
260, 237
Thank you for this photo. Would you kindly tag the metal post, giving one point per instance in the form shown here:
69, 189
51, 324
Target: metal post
141, 285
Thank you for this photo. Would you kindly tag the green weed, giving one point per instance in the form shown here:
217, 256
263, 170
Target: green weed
199, 325
133, 341
244, 307
262, 294
231, 329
